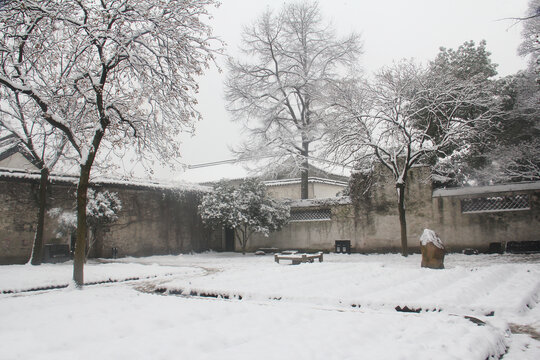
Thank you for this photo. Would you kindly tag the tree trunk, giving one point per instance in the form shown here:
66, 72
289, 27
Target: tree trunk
244, 240
400, 188
304, 172
84, 179
80, 244
304, 189
37, 247
242, 235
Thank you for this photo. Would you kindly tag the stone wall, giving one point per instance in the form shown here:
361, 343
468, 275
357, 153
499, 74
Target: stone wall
152, 221
479, 229
372, 224
163, 220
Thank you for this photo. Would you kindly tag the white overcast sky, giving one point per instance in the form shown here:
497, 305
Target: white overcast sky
390, 29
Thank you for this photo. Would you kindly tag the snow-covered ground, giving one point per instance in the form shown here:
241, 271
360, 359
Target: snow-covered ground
342, 308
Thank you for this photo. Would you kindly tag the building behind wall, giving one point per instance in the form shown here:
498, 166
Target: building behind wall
285, 183
318, 188
14, 155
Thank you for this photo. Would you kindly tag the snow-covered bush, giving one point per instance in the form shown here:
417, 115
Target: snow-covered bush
247, 209
66, 219
101, 209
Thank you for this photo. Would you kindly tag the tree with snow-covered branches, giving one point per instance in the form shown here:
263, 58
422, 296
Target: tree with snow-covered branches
514, 154
279, 86
470, 63
517, 126
20, 115
245, 208
530, 46
377, 122
110, 75
21, 121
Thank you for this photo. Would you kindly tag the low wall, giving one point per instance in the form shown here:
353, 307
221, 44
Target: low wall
372, 224
489, 222
157, 219
153, 220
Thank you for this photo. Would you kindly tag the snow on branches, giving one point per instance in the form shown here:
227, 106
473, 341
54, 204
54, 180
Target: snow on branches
279, 86
126, 68
119, 75
530, 45
406, 115
102, 208
245, 208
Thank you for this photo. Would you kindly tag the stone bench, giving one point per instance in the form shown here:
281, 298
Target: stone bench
299, 258
55, 253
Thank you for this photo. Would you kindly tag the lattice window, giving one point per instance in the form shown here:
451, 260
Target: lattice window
495, 204
311, 215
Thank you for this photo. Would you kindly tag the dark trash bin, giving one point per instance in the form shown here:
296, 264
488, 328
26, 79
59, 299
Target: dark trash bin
343, 247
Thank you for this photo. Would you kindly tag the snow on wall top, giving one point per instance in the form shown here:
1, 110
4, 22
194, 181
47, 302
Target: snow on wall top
342, 200
479, 190
430, 236
149, 184
310, 180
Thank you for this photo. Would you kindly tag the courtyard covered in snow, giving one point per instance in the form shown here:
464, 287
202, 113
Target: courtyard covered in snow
229, 306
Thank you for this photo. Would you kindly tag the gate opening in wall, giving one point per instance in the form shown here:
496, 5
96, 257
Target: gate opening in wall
229, 239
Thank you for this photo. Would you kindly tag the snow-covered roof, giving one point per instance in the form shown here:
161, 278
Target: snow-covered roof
298, 180
241, 169
479, 190
139, 183
10, 146
214, 173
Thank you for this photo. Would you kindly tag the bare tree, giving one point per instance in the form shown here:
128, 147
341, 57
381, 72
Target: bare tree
378, 121
280, 91
42, 142
108, 74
